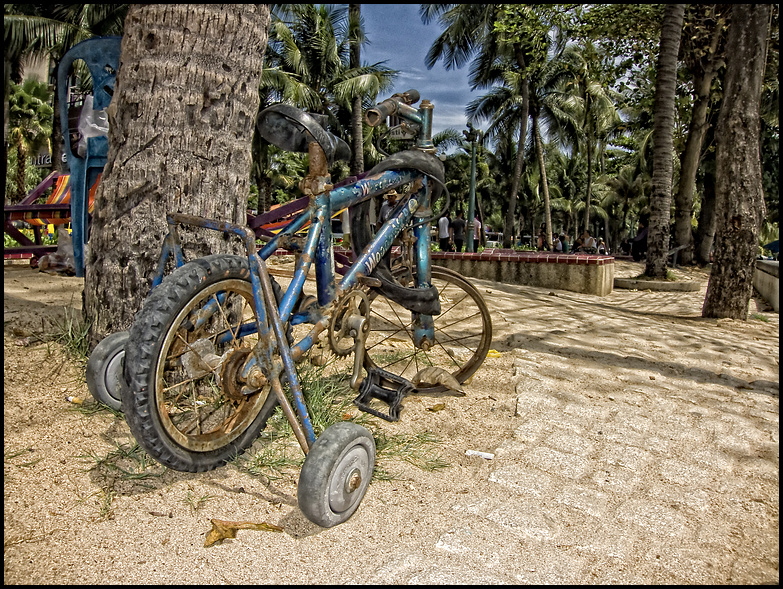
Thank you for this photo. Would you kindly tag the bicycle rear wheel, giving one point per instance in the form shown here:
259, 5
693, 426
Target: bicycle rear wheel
463, 331
187, 402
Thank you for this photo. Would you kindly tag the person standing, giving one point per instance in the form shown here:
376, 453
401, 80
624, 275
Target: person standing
476, 231
444, 236
458, 231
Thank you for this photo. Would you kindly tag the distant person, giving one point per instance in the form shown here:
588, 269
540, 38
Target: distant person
639, 243
589, 244
601, 246
387, 206
458, 231
476, 230
444, 233
564, 240
557, 245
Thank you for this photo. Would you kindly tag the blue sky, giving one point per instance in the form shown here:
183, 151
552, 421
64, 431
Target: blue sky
397, 36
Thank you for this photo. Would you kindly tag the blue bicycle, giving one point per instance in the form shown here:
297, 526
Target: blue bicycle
213, 352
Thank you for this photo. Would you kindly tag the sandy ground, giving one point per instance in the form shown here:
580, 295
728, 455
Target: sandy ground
77, 511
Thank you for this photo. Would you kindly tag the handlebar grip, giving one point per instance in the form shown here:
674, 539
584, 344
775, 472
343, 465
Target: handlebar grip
375, 116
411, 96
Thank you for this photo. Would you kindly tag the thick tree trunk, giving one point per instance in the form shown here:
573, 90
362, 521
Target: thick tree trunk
739, 194
181, 125
663, 132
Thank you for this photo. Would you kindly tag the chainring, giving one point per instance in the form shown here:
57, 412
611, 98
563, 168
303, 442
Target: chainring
352, 304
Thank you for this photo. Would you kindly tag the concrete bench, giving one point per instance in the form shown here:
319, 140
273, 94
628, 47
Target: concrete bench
583, 273
766, 280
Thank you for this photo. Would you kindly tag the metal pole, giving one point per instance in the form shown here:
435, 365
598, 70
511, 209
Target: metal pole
471, 135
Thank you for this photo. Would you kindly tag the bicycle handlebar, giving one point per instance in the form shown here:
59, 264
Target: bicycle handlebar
397, 104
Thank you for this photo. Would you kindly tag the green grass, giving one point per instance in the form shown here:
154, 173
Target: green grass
127, 462
70, 331
329, 400
760, 317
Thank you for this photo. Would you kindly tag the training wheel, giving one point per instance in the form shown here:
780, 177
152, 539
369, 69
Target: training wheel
104, 370
336, 474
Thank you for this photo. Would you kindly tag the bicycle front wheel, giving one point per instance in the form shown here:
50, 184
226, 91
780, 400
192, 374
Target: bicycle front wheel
188, 403
463, 332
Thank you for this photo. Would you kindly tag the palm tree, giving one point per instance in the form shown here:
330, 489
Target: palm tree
310, 62
30, 124
50, 30
660, 200
469, 30
591, 103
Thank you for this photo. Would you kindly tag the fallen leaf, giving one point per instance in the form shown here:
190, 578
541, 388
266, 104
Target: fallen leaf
224, 529
493, 354
437, 407
434, 375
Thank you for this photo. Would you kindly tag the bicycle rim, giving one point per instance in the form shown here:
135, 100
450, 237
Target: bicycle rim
200, 400
463, 332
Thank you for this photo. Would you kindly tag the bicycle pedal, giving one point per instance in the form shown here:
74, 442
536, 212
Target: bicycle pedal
386, 387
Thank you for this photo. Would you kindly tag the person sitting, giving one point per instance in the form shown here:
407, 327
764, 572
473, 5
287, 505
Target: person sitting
387, 206
564, 241
557, 245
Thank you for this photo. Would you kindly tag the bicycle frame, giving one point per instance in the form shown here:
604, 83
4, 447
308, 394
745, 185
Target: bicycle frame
318, 249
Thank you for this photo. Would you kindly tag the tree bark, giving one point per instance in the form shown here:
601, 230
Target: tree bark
739, 195
663, 131
181, 125
705, 233
357, 127
705, 69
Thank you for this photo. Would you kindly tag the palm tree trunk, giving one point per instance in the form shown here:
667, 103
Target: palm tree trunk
524, 91
739, 193
588, 195
689, 162
179, 141
663, 132
544, 183
357, 129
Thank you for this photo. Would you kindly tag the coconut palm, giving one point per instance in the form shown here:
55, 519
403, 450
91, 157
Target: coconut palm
50, 30
30, 124
592, 104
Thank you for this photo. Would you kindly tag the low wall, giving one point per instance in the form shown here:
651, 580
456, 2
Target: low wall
583, 273
766, 280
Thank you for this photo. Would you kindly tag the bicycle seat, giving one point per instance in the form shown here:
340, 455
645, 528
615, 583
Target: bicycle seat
291, 129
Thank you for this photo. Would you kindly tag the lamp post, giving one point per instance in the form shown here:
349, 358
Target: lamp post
471, 135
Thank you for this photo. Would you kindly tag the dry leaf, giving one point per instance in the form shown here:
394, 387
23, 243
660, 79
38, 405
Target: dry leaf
438, 407
222, 529
434, 375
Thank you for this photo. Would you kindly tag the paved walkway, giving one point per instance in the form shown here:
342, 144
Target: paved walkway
629, 462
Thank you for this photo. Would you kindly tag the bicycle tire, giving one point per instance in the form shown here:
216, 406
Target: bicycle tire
104, 370
336, 473
463, 331
170, 352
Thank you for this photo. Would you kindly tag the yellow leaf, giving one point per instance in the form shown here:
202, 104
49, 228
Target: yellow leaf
223, 529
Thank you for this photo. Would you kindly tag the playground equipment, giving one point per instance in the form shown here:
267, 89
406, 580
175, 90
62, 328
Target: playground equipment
102, 57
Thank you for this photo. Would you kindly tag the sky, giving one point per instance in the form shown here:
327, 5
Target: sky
397, 36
